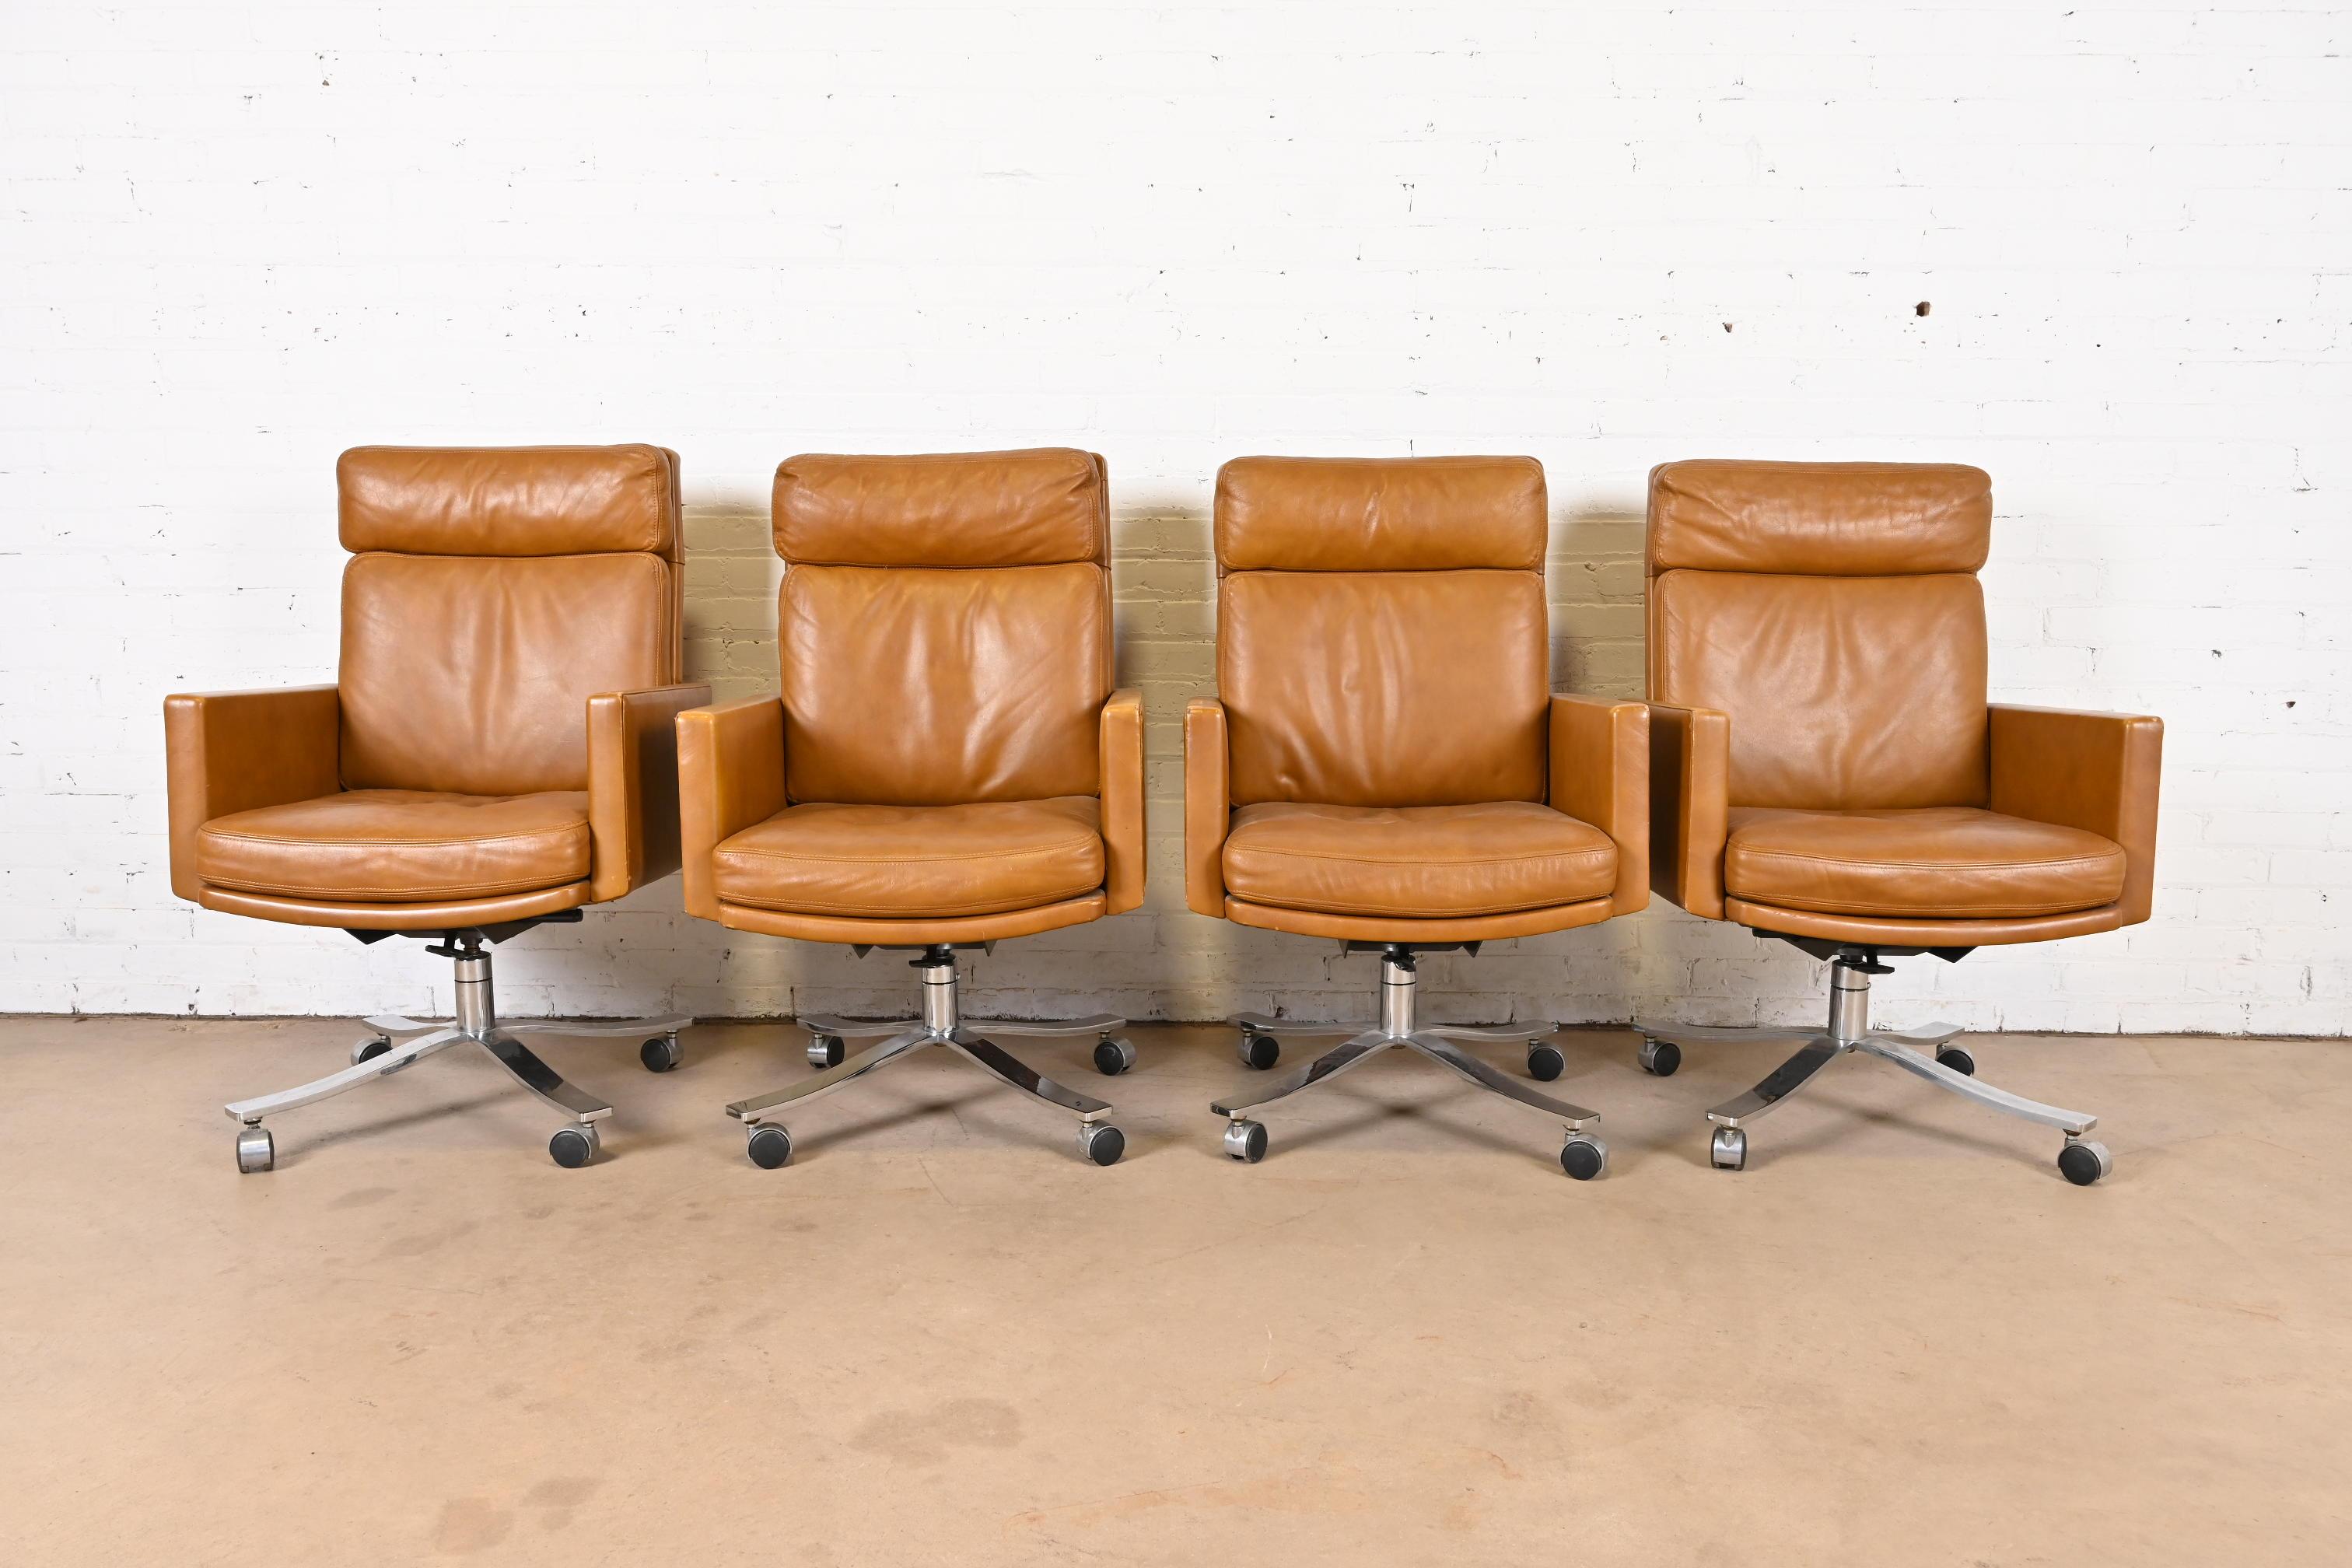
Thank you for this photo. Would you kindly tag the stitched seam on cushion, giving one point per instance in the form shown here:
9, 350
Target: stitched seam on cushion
409, 894
331, 844
1925, 865
909, 860
899, 912
2013, 909
1365, 911
1244, 849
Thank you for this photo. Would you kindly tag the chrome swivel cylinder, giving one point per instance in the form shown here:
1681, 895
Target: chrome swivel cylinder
1582, 1153
1926, 1053
940, 1022
474, 1021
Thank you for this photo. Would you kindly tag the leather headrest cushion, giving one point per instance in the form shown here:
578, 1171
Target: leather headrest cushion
509, 500
1379, 514
1820, 519
1042, 507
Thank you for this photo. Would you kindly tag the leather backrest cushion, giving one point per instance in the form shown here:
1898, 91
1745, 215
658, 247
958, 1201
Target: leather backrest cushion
1843, 692
1037, 508
1384, 688
1850, 520
473, 674
1379, 514
919, 686
509, 500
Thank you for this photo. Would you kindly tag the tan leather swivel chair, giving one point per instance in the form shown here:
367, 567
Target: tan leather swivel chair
1385, 763
1830, 771
496, 752
948, 765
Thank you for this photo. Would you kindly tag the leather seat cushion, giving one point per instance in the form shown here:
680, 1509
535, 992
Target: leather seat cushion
1416, 862
1945, 862
915, 861
397, 845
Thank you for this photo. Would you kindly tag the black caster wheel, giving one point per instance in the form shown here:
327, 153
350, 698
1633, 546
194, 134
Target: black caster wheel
1583, 1156
2085, 1163
255, 1151
1545, 1061
1659, 1058
1113, 1056
1958, 1060
572, 1147
826, 1050
1101, 1142
1245, 1140
770, 1146
660, 1054
1258, 1052
1729, 1151
368, 1051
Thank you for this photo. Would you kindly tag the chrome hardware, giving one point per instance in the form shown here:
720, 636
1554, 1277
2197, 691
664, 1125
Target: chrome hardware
1925, 1052
941, 1023
1246, 1140
476, 1022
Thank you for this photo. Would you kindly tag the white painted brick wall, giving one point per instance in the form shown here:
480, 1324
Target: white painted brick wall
238, 239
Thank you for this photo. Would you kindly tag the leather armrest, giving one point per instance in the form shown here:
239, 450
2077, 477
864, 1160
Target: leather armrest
2097, 771
633, 786
1600, 774
730, 775
235, 750
1208, 805
1690, 804
1122, 800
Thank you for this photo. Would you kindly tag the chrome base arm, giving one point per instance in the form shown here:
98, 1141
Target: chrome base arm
382, 1065
574, 1028
1103, 1024
1583, 1154
1330, 1064
1798, 1070
1888, 1049
1489, 1035
1446, 1054
1265, 1024
984, 1053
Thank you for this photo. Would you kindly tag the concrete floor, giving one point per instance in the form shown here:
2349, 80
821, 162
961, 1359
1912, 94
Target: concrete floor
938, 1337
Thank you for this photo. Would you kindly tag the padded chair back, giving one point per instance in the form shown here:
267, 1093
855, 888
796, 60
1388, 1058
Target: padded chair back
944, 625
1381, 631
1832, 611
490, 593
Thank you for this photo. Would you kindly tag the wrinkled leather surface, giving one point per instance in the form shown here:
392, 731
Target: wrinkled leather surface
914, 933
1860, 520
1420, 862
896, 862
436, 915
730, 775
399, 847
914, 686
1600, 774
1208, 806
1041, 506
509, 500
1841, 692
472, 675
1690, 787
1392, 928
1909, 932
228, 752
1379, 514
1384, 688
632, 784
1932, 863
1123, 805
2097, 771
